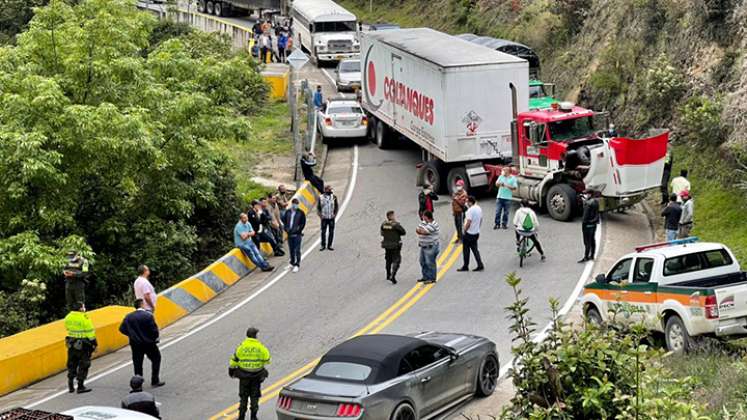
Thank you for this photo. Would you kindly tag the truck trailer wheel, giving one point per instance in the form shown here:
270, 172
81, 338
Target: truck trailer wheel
432, 175
210, 8
382, 135
676, 335
201, 7
561, 202
455, 174
219, 9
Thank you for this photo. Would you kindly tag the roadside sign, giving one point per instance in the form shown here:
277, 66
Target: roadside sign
297, 59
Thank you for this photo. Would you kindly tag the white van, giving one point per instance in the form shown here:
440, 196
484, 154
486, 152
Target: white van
325, 29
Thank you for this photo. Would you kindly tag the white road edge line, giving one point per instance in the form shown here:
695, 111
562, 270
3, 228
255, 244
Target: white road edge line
329, 77
568, 303
314, 245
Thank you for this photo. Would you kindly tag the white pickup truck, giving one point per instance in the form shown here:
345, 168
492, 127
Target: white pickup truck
681, 288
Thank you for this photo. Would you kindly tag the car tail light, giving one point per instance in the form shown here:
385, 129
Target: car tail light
328, 121
349, 410
364, 120
711, 307
284, 402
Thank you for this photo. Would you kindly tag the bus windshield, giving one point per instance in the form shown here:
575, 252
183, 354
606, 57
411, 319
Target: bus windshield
334, 26
571, 129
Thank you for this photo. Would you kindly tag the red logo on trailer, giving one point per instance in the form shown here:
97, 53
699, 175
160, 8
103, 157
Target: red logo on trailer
371, 76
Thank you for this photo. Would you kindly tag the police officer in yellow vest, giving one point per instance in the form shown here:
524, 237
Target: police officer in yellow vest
81, 343
248, 365
76, 273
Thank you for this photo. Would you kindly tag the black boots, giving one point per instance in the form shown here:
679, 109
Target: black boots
70, 385
82, 388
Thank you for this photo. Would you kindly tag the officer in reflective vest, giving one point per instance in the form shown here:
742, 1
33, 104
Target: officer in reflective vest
81, 343
76, 273
248, 365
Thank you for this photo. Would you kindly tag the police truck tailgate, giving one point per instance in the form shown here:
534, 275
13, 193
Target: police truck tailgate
732, 301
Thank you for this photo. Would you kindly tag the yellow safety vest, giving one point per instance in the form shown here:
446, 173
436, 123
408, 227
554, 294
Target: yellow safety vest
78, 325
251, 356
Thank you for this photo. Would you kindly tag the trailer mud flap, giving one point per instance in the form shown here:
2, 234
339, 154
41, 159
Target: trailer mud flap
420, 174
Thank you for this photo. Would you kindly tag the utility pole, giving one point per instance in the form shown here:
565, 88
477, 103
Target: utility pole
296, 59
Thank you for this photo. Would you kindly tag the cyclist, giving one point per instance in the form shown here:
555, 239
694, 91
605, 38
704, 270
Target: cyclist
526, 224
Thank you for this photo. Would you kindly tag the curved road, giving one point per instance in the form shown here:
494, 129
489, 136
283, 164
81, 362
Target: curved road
338, 293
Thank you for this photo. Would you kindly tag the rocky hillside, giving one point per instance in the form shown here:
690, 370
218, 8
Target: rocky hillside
678, 64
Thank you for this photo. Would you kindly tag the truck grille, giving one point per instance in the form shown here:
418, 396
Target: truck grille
339, 46
316, 408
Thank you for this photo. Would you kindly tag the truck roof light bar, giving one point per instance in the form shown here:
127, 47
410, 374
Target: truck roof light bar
685, 241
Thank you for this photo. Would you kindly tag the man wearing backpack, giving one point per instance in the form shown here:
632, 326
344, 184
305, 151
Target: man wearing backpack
525, 221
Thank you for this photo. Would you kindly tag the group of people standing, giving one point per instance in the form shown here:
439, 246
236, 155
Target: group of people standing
678, 211
270, 43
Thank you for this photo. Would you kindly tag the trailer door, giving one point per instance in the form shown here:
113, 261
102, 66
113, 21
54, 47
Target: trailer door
397, 75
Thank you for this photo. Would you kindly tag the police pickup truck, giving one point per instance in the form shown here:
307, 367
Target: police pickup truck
682, 288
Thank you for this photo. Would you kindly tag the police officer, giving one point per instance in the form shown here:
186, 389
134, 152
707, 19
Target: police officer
392, 233
76, 273
248, 365
81, 343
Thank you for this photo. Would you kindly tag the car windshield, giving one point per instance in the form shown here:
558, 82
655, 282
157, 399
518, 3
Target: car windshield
350, 66
571, 129
537, 91
334, 27
343, 370
343, 109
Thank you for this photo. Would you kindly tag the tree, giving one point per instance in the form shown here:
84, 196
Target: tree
106, 146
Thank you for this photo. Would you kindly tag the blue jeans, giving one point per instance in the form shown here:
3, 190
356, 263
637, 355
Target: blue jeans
671, 235
251, 252
294, 247
428, 262
502, 207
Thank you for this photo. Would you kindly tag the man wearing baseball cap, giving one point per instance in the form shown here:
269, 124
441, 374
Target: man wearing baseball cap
139, 400
686, 219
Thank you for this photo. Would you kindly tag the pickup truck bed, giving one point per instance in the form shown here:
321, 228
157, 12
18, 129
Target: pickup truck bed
712, 282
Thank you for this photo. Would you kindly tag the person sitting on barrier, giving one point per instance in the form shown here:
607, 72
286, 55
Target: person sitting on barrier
242, 239
260, 220
308, 161
526, 224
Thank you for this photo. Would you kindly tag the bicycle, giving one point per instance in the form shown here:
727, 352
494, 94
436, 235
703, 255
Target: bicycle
523, 247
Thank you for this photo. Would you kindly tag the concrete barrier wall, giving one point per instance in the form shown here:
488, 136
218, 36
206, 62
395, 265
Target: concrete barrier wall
38, 353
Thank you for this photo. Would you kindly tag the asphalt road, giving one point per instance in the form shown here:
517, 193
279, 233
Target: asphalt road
341, 293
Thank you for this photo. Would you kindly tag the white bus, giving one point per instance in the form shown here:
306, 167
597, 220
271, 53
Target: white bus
325, 29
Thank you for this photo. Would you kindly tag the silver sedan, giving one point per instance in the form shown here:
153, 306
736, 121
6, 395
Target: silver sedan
395, 377
342, 118
348, 75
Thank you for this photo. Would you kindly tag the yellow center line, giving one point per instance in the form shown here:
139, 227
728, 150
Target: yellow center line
450, 255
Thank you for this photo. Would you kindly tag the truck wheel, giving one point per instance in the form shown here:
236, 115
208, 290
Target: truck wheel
432, 175
371, 132
201, 7
382, 135
561, 202
455, 174
218, 8
593, 317
210, 9
675, 333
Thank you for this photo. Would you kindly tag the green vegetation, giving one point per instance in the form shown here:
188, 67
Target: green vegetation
110, 126
591, 373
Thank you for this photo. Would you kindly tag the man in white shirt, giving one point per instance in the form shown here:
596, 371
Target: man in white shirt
526, 223
472, 222
144, 290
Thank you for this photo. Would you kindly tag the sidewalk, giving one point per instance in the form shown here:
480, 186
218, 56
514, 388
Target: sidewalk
620, 234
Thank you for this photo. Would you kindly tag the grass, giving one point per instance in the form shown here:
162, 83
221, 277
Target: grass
270, 137
719, 207
721, 381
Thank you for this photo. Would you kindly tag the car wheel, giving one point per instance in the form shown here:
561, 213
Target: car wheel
675, 333
593, 317
404, 411
561, 202
488, 376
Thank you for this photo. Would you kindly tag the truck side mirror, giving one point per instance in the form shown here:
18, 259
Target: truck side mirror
601, 279
533, 133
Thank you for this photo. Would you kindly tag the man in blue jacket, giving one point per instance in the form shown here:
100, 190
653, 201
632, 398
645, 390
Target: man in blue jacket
140, 327
294, 221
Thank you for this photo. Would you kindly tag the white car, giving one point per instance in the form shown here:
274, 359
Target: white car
342, 118
348, 75
91, 412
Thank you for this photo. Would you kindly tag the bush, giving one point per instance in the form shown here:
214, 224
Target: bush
701, 121
664, 86
590, 373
